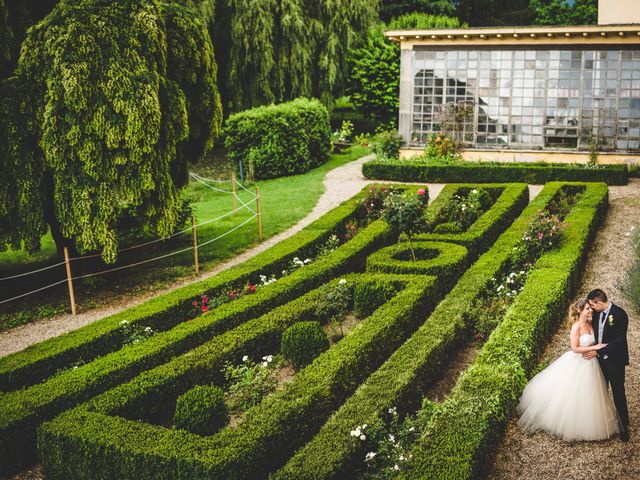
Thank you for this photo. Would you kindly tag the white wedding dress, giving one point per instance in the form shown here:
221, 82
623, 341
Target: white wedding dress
569, 399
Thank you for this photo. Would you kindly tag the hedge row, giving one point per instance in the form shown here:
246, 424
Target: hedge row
95, 441
39, 361
23, 410
446, 261
511, 200
333, 453
278, 140
463, 433
537, 173
228, 450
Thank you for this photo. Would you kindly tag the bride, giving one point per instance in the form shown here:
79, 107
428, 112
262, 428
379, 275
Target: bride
569, 398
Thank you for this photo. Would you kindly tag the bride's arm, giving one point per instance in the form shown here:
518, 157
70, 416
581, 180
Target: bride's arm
575, 341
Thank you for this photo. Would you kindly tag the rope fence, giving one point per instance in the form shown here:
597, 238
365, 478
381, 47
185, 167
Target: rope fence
256, 214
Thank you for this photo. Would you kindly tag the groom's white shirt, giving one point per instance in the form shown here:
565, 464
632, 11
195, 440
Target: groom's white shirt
603, 318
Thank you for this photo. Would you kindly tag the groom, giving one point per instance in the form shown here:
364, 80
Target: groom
610, 326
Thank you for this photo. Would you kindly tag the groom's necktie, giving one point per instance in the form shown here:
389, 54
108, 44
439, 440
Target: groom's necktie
601, 327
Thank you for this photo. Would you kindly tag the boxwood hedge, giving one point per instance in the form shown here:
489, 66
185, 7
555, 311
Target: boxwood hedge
537, 173
333, 453
24, 409
462, 435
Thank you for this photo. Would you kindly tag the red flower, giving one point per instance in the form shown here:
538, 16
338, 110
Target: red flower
421, 191
205, 299
204, 308
540, 235
250, 288
195, 303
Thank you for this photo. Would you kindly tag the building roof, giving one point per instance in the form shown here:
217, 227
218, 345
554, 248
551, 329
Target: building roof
544, 35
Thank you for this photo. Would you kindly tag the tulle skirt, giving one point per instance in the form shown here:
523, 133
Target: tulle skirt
569, 399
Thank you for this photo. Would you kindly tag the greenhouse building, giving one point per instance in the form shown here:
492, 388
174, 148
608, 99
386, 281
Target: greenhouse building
525, 93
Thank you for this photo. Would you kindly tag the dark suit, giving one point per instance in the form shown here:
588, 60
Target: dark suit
617, 352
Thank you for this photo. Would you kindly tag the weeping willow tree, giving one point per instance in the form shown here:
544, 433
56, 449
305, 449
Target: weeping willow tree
283, 49
119, 96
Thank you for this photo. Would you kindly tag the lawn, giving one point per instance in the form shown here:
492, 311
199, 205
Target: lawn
284, 201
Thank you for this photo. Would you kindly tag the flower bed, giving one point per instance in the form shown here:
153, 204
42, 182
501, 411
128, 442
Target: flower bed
461, 436
451, 172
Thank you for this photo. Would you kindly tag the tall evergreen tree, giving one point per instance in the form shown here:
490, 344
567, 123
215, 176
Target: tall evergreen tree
272, 51
115, 95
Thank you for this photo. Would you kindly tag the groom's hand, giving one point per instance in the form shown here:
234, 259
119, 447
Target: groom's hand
590, 354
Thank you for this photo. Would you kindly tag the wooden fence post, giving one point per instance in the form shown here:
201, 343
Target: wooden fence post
70, 282
259, 214
235, 198
195, 244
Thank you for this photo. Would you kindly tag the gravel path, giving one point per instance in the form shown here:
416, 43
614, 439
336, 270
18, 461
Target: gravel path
340, 184
542, 457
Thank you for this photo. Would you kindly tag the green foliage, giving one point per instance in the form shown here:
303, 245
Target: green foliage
202, 410
303, 342
463, 210
425, 170
562, 12
98, 345
279, 140
388, 145
463, 432
283, 50
249, 382
405, 215
369, 296
631, 286
116, 111
441, 147
498, 13
390, 9
374, 66
373, 203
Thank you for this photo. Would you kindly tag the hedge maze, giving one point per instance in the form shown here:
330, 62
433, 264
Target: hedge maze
88, 407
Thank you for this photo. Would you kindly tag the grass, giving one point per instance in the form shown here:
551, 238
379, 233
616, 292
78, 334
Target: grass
284, 201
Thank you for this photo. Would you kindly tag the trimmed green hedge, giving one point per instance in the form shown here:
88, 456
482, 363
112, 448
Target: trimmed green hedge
462, 435
278, 140
333, 453
201, 410
115, 448
511, 200
23, 410
44, 359
537, 173
444, 260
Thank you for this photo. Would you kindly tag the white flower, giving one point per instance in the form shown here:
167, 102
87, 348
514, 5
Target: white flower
123, 322
264, 364
401, 458
393, 411
370, 456
75, 367
392, 438
270, 358
342, 281
474, 191
396, 467
412, 429
284, 272
148, 329
307, 260
245, 358
363, 438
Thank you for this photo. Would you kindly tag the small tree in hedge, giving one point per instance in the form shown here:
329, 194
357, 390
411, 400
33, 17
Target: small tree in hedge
302, 342
201, 410
405, 215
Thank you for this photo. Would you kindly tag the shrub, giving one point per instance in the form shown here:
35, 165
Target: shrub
279, 140
388, 145
202, 410
447, 227
441, 146
303, 342
425, 170
405, 215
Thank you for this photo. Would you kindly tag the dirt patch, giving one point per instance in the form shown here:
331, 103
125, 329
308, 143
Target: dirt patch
540, 456
460, 361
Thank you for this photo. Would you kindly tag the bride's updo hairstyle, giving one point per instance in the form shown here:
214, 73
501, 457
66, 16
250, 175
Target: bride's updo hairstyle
576, 309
